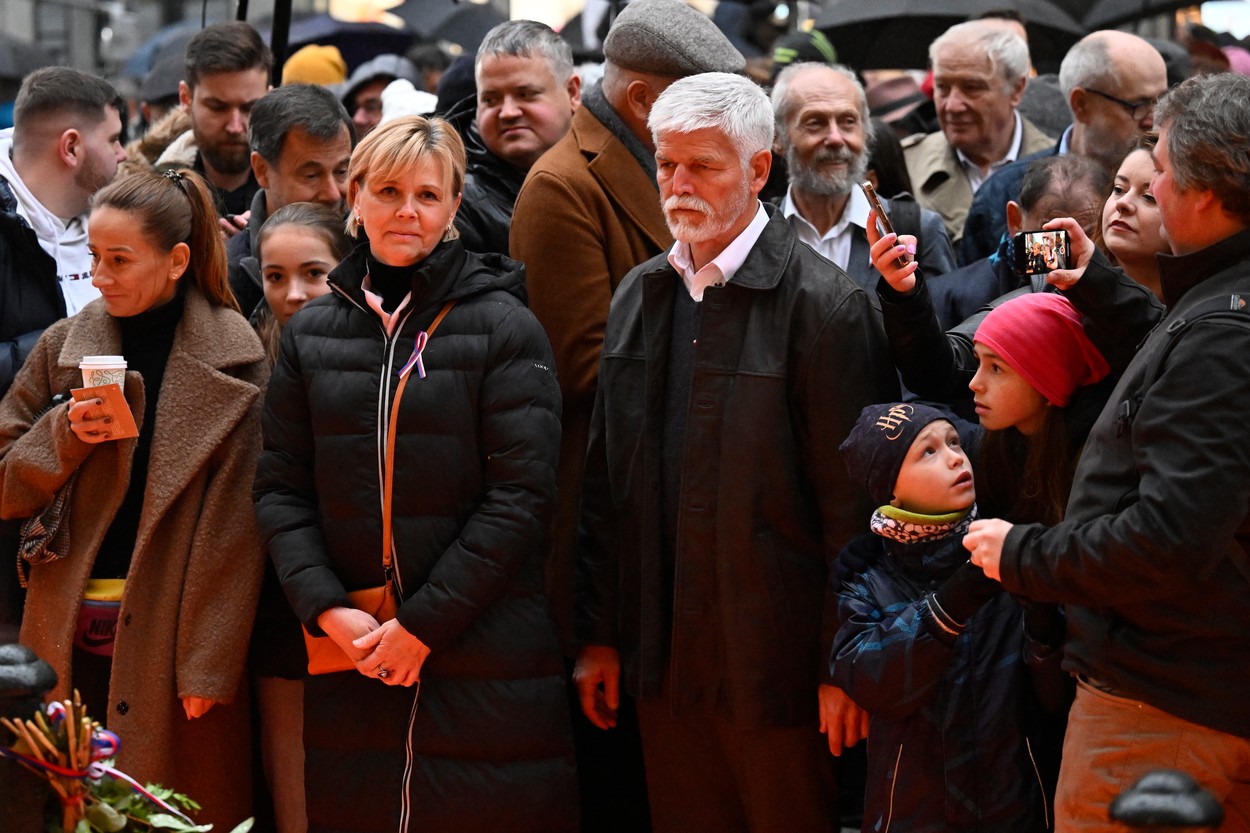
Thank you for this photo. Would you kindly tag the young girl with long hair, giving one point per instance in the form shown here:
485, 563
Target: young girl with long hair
297, 248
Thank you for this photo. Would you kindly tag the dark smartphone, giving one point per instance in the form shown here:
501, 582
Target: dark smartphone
883, 219
1041, 251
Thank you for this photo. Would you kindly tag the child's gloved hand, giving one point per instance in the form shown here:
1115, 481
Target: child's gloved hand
965, 592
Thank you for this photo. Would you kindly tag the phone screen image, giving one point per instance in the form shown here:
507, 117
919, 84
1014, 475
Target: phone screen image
1039, 252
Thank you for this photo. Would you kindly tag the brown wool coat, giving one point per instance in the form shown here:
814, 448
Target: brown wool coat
587, 214
191, 592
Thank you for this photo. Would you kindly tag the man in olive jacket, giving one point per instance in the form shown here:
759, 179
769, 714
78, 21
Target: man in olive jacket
1151, 558
715, 499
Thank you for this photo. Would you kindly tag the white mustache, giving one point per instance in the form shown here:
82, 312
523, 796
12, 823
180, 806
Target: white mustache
844, 156
687, 202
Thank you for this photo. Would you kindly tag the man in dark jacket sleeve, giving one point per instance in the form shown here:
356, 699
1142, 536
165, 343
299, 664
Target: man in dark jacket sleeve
301, 139
1151, 558
526, 95
714, 498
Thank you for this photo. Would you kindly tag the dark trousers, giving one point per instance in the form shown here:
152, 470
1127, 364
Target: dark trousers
705, 774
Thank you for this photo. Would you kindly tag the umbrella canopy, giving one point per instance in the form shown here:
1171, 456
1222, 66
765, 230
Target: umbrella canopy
895, 34
18, 58
356, 42
447, 20
1107, 14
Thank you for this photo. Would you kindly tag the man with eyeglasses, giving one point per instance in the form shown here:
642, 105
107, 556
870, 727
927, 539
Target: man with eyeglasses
1111, 80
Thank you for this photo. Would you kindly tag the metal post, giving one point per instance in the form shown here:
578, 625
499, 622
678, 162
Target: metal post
280, 37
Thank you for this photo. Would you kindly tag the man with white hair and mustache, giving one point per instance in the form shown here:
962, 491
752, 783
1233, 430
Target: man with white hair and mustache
714, 500
824, 134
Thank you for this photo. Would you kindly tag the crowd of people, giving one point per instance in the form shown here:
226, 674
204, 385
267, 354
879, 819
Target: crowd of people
448, 508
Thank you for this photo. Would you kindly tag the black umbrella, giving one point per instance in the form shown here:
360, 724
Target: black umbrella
19, 59
1107, 14
895, 34
356, 42
463, 23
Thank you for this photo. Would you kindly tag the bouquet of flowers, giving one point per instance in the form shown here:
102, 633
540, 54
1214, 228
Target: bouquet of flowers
75, 755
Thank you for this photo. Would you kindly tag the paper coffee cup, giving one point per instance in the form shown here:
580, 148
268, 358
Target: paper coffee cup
102, 370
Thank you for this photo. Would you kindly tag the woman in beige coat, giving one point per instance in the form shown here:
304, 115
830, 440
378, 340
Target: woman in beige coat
163, 520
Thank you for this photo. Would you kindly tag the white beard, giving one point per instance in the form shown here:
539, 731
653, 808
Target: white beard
713, 224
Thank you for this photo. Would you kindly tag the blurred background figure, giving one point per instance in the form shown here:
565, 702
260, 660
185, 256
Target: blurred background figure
314, 64
362, 92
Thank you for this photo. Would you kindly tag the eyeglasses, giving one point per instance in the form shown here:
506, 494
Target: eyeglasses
1138, 110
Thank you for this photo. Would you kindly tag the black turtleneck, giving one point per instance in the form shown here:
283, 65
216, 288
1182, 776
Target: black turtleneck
147, 339
391, 282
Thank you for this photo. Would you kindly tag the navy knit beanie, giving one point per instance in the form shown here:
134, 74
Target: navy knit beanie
875, 448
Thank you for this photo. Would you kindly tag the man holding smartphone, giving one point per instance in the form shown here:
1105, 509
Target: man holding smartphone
1151, 559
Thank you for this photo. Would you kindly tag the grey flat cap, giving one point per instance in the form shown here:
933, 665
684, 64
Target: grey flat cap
668, 37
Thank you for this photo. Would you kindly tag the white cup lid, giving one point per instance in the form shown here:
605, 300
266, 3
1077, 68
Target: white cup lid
107, 361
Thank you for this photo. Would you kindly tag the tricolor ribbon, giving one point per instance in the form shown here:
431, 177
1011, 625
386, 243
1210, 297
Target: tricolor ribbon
415, 358
104, 746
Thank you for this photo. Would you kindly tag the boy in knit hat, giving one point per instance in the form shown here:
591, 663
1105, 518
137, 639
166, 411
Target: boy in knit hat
934, 650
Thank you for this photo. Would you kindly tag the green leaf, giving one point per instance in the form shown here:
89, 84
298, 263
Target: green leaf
164, 821
104, 817
245, 827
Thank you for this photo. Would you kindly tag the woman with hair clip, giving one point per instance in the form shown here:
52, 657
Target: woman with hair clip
149, 611
411, 431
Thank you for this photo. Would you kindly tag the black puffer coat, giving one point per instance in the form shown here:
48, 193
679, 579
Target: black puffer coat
477, 442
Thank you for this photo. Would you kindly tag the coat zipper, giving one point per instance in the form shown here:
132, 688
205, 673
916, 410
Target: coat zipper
889, 818
1040, 785
383, 413
405, 803
390, 342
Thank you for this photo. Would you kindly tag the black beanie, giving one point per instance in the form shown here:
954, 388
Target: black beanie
875, 448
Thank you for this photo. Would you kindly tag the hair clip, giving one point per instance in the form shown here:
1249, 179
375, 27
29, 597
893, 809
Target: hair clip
172, 175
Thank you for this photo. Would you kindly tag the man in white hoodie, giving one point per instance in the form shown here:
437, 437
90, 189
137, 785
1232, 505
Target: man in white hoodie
64, 146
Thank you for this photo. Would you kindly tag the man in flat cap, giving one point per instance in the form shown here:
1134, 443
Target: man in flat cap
714, 500
589, 211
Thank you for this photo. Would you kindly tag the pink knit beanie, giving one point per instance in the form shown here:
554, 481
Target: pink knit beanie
1040, 337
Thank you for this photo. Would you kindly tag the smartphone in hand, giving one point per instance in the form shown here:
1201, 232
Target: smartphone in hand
1040, 251
883, 219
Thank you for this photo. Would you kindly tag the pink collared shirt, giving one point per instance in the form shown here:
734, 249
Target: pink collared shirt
721, 268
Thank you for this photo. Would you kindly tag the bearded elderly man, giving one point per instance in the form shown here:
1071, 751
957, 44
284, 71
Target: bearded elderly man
979, 73
714, 500
824, 133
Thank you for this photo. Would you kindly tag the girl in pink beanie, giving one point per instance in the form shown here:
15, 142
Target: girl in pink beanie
1032, 354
